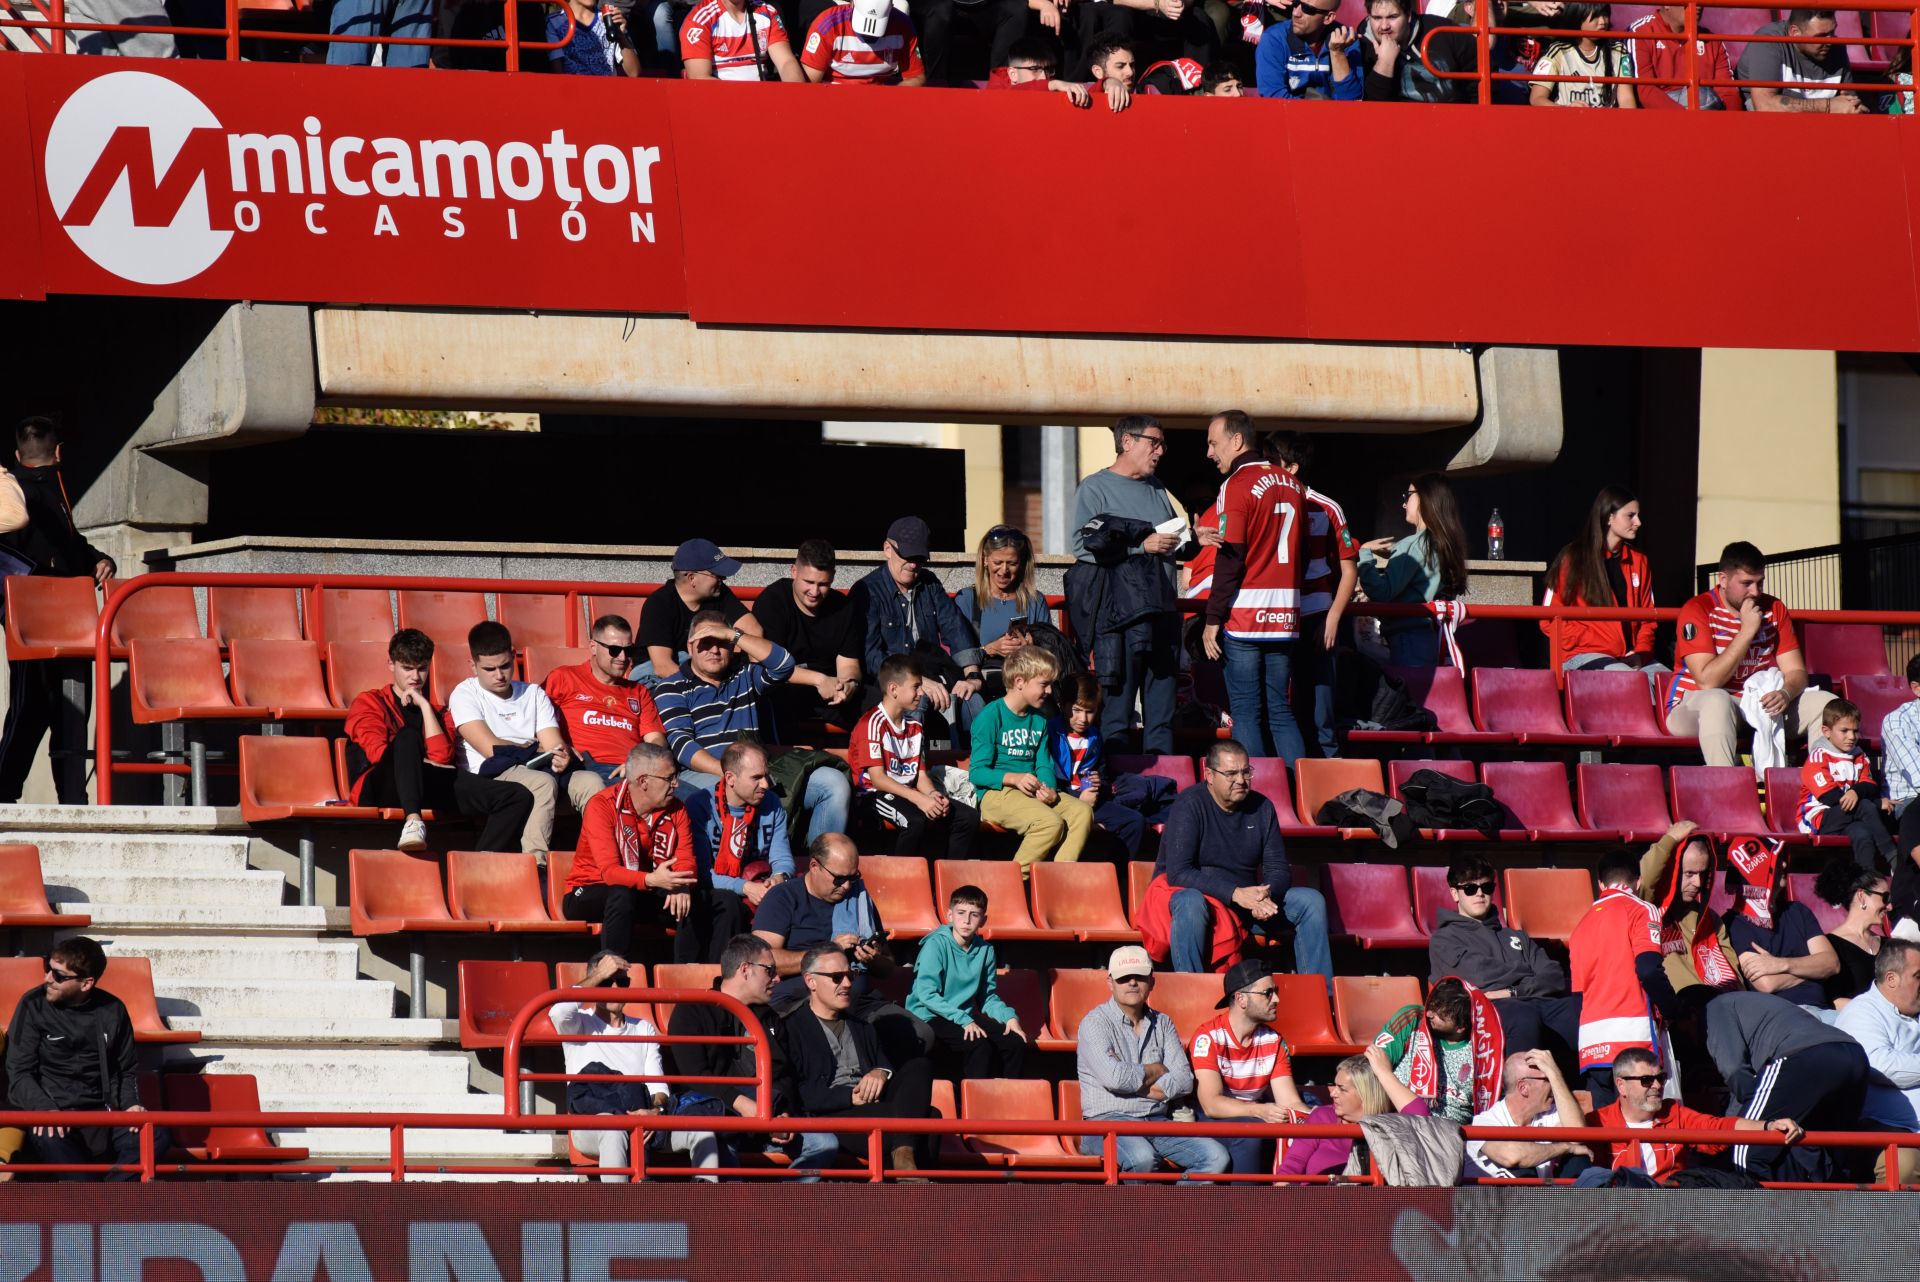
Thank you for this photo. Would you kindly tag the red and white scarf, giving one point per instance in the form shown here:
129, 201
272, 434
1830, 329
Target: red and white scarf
735, 834
1449, 616
1760, 864
1709, 961
630, 827
1488, 1045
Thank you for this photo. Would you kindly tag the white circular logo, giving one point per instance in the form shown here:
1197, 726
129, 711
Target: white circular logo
115, 143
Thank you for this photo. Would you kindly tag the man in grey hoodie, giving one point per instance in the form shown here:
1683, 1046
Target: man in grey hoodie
1528, 987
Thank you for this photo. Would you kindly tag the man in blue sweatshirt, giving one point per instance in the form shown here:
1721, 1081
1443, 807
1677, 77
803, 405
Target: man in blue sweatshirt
1222, 842
1306, 56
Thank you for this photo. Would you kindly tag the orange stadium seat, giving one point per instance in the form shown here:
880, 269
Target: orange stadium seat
1026, 992
491, 994
1363, 1003
1083, 898
1016, 1099
1536, 793
559, 867
537, 618
1069, 1089
354, 667
1548, 903
253, 614
898, 885
543, 659
18, 976
350, 614
1270, 780
131, 980
1839, 650
698, 976
283, 777
1179, 769
1618, 706
1443, 692
1524, 702
1188, 1000
1720, 799
1007, 917
452, 664
1321, 779
570, 975
156, 614
1139, 878
221, 1093
627, 607
1368, 904
1306, 1017
1876, 696
1628, 799
282, 676
50, 618
502, 889
391, 891
181, 680
23, 892
444, 616
1398, 772
1070, 996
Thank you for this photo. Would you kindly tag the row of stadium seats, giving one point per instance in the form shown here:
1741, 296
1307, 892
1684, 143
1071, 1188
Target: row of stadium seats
128, 978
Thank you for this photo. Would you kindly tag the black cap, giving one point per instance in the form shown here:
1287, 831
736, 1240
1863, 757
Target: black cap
909, 537
1245, 974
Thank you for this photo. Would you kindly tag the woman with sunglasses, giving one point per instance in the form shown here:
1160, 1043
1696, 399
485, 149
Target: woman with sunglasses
1428, 565
1002, 593
1861, 893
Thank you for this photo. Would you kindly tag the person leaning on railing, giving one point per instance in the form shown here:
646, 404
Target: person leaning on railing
1661, 54
1815, 67
1390, 56
1584, 56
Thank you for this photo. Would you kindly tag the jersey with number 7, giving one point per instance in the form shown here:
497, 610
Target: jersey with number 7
1263, 511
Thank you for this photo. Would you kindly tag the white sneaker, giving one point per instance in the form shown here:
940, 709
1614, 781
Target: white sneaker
413, 835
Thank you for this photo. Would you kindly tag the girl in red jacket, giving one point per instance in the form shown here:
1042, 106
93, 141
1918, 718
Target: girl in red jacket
1602, 568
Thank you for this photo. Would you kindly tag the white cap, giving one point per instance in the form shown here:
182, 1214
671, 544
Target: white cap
870, 17
1129, 959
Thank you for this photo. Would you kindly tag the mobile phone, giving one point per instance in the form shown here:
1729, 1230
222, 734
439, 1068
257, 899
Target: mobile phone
540, 762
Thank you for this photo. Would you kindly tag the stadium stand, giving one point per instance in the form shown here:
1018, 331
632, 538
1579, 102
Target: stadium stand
23, 892
253, 614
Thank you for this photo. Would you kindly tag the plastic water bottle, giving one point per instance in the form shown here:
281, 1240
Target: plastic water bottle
1496, 537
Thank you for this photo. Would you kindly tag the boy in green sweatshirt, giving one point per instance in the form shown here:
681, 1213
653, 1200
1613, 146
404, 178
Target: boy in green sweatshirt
1012, 771
954, 991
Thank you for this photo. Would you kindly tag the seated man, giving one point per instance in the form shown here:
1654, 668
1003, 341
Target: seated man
714, 699
909, 612
629, 1059
824, 631
399, 755
699, 582
838, 1068
1449, 1051
1780, 1061
1241, 1070
1536, 1094
1131, 1065
1225, 872
636, 862
1308, 56
740, 830
1813, 70
509, 732
604, 714
1641, 1081
1528, 987
1885, 1020
1781, 947
1694, 942
70, 1050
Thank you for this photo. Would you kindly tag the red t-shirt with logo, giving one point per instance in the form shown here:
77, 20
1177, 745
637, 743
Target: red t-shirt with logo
1247, 1070
848, 57
603, 721
716, 32
1708, 625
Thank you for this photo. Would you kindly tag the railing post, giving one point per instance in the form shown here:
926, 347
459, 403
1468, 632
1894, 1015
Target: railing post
1893, 1168
1110, 1156
513, 41
637, 1151
147, 1156
1693, 57
1482, 20
233, 30
876, 1156
397, 1153
57, 42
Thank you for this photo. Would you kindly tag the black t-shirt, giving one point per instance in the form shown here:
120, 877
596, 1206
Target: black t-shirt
816, 641
1794, 928
665, 619
792, 913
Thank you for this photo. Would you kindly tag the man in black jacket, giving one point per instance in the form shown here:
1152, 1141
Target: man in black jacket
1528, 987
70, 1049
53, 544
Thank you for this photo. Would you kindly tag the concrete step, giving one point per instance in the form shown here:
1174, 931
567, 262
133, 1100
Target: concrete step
179, 959
364, 1080
276, 998
356, 1144
239, 889
142, 852
218, 920
349, 1035
33, 820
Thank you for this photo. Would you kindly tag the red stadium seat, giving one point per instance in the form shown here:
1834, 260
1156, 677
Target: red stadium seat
1844, 649
1783, 810
1179, 769
131, 980
1271, 781
18, 977
156, 614
253, 614
1363, 1003
1321, 779
291, 778
1630, 800
353, 668
491, 994
1443, 692
1070, 996
559, 867
1800, 890
1536, 793
1548, 903
537, 618
390, 891
50, 618
1368, 904
1016, 1099
1398, 772
282, 676
1876, 696
452, 664
1524, 702
543, 659
1083, 898
627, 607
1306, 1017
350, 614
181, 680
1617, 706
1491, 643
1139, 878
221, 1093
1720, 799
444, 616
1430, 895
1007, 917
502, 889
1026, 992
694, 975
23, 892
899, 887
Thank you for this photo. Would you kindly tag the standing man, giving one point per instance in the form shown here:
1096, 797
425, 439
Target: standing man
1617, 972
1779, 1060
1126, 616
909, 612
822, 630
1256, 587
1332, 571
699, 582
604, 714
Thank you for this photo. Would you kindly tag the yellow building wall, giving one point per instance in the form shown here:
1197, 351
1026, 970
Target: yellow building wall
1769, 451
986, 477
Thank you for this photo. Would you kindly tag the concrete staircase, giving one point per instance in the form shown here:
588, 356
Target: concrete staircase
269, 991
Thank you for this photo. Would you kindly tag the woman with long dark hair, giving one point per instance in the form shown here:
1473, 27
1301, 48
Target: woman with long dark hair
1863, 894
1428, 565
1602, 568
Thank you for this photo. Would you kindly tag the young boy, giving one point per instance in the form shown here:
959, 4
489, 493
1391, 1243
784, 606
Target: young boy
894, 790
1013, 773
1837, 791
1125, 804
953, 990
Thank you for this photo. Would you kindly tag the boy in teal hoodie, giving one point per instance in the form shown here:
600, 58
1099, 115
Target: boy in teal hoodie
954, 991
1012, 771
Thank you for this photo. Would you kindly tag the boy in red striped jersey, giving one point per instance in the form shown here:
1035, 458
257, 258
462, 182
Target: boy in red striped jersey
894, 789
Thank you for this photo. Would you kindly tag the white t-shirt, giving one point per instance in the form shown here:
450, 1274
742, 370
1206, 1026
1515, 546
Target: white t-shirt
519, 718
634, 1059
1477, 1164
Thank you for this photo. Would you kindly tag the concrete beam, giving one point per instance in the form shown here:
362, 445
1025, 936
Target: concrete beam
251, 380
374, 356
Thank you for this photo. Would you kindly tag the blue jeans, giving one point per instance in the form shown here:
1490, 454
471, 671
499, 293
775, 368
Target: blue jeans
813, 1150
1313, 675
1193, 1154
1257, 674
1304, 909
409, 18
1251, 1156
1414, 647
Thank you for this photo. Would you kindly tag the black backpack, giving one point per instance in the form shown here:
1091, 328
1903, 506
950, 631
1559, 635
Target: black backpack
1368, 697
1435, 800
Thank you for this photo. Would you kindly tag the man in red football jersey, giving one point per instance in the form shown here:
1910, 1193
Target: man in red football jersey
605, 714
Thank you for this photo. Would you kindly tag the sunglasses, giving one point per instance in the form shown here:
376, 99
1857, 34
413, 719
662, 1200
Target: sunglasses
1134, 979
1006, 534
1301, 6
713, 643
1264, 994
1650, 1079
60, 976
1475, 888
618, 651
842, 878
834, 977
1407, 493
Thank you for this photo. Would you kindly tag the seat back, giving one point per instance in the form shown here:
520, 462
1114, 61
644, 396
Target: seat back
1441, 691
1548, 903
690, 975
1611, 703
1363, 1003
492, 993
1623, 798
157, 614
1369, 902
1535, 791
1000, 878
1783, 799
45, 613
131, 980
1718, 798
1844, 649
1070, 996
543, 659
1305, 1016
494, 885
559, 868
537, 618
253, 614
452, 664
277, 674
1139, 878
176, 674
570, 975
1398, 772
898, 884
1491, 643
627, 607
214, 1093
282, 770
23, 889
1877, 696
1517, 701
1026, 992
386, 886
1430, 894
350, 614
444, 616
353, 668
1179, 769
1188, 1000
1010, 1099
1271, 780
1800, 890
1319, 780
18, 977
1076, 896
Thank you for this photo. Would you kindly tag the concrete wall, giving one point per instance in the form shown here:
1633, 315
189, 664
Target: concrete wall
1769, 451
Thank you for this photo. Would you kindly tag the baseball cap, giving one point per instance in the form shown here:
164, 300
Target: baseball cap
1129, 959
1245, 974
909, 534
870, 17
704, 554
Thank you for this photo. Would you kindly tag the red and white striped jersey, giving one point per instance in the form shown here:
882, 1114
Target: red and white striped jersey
1263, 508
714, 31
848, 57
1247, 1071
1707, 626
1614, 1011
895, 748
1826, 769
1329, 542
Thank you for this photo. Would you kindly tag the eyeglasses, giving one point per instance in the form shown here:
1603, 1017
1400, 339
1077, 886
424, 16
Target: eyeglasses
1877, 894
1649, 1079
61, 976
840, 878
772, 972
1045, 71
1234, 774
1475, 888
1264, 994
834, 977
1156, 442
618, 651
672, 780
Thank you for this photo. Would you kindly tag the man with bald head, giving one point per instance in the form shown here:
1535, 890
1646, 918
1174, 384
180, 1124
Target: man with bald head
1534, 1094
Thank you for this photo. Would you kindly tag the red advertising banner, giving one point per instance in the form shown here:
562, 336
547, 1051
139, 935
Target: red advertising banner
21, 272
